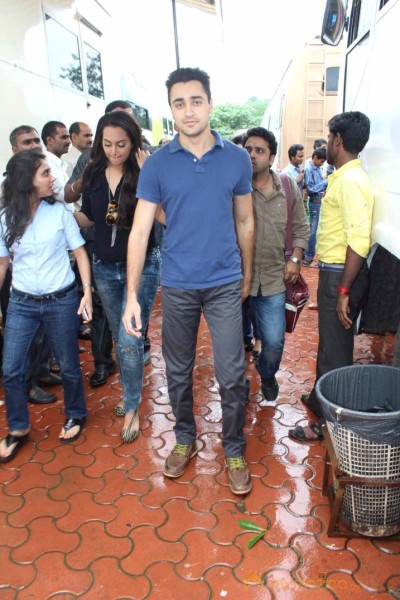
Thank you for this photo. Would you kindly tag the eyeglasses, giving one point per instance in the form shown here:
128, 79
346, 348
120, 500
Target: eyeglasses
112, 211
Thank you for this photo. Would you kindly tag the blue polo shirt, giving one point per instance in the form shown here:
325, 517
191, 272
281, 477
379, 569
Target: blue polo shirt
200, 246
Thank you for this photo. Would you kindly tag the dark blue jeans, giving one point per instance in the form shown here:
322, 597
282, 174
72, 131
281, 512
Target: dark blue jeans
314, 209
269, 317
59, 318
111, 281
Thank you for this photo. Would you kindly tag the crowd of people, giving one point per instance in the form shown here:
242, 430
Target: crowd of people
218, 214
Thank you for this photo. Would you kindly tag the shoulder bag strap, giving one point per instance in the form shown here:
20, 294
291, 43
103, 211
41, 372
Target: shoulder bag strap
289, 224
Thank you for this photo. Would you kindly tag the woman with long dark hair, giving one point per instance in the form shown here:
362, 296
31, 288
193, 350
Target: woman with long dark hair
108, 203
36, 231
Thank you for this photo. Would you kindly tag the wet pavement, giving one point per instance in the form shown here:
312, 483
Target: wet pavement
97, 519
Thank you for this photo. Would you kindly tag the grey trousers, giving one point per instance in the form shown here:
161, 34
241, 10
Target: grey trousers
336, 344
222, 309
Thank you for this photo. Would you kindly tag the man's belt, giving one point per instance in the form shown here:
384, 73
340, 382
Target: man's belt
330, 266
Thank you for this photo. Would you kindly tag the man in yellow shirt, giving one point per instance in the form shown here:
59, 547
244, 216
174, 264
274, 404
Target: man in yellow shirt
343, 243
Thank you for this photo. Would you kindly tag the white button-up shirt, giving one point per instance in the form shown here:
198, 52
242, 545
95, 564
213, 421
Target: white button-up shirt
40, 258
59, 171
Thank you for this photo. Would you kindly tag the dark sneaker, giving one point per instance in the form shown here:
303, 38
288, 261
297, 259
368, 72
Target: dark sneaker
177, 461
239, 474
269, 389
306, 262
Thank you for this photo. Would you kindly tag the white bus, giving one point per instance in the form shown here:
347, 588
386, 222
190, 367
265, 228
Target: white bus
369, 83
65, 61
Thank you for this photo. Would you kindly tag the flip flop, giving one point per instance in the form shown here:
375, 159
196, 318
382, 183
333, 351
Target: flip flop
69, 424
130, 433
298, 433
18, 440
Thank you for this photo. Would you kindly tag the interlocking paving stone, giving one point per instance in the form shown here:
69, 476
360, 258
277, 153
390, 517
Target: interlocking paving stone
97, 520
38, 544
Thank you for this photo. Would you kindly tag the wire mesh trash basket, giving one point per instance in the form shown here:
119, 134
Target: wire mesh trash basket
361, 405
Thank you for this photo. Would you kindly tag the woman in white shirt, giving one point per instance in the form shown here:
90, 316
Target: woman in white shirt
37, 231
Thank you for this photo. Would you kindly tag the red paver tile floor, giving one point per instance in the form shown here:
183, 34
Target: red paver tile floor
97, 519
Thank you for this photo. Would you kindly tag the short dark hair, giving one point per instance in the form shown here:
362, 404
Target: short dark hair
75, 128
294, 149
238, 139
185, 74
17, 131
268, 136
354, 128
50, 129
319, 153
115, 104
320, 142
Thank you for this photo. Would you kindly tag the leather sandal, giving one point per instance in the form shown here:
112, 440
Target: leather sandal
299, 433
69, 424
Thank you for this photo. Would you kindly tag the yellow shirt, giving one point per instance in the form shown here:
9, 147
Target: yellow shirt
346, 214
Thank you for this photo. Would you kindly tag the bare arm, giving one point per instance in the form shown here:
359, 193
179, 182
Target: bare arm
4, 262
244, 221
73, 191
141, 156
137, 245
84, 271
352, 266
160, 215
82, 220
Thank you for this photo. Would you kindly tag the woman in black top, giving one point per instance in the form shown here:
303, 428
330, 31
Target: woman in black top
108, 203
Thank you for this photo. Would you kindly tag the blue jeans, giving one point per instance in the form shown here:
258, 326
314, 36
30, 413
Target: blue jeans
59, 319
314, 209
269, 317
111, 281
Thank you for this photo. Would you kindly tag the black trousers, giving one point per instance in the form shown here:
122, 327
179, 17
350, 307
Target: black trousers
336, 344
101, 335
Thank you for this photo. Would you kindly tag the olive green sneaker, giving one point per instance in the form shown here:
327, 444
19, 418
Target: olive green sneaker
239, 475
177, 461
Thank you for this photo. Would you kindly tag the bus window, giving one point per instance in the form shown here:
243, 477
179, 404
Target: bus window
362, 13
64, 57
94, 73
331, 83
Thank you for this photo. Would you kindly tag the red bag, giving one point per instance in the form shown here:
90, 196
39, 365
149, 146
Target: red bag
297, 293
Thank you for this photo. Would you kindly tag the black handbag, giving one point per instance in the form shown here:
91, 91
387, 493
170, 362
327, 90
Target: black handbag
297, 293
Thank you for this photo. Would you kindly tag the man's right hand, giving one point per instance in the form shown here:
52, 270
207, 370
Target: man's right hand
132, 316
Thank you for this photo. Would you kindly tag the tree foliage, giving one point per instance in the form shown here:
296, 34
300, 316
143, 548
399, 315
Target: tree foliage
229, 118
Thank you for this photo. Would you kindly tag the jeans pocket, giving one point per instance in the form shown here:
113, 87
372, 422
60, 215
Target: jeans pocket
14, 299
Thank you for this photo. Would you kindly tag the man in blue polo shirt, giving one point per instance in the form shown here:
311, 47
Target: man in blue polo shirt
203, 184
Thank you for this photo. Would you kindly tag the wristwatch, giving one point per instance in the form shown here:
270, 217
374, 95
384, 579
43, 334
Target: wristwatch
295, 259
